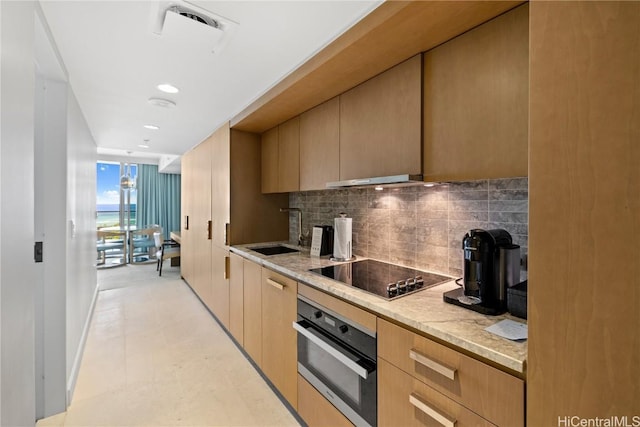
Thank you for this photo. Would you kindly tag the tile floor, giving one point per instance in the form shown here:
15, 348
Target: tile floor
155, 357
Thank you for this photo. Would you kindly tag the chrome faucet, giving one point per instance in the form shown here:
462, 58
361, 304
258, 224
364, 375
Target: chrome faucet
299, 212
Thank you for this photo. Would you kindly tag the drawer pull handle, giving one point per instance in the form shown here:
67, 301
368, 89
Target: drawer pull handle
443, 419
432, 364
275, 284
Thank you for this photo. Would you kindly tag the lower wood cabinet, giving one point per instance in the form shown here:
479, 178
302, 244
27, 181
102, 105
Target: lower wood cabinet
219, 303
316, 410
489, 392
405, 401
236, 298
252, 311
279, 339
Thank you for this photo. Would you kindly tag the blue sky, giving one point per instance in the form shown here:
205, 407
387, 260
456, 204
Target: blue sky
108, 181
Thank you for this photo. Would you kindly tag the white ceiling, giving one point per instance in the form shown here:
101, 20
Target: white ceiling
114, 61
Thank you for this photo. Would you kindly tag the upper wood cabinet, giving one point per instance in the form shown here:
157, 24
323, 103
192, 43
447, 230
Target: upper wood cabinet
281, 158
270, 161
380, 124
320, 146
476, 102
289, 155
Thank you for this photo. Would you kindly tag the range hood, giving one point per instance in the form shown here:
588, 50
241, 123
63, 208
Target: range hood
386, 181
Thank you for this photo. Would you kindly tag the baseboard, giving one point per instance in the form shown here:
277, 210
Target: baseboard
73, 377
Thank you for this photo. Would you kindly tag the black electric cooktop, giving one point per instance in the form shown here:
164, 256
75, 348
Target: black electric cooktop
380, 278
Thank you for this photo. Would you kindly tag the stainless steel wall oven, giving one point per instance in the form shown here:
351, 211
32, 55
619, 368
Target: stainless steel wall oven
338, 357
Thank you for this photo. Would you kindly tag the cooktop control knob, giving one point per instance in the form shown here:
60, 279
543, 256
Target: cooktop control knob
411, 284
317, 314
419, 282
402, 286
344, 329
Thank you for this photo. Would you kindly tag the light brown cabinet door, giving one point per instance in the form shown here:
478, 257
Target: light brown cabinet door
186, 210
252, 296
220, 264
270, 161
316, 410
289, 156
380, 124
320, 146
476, 102
584, 322
279, 339
405, 401
495, 395
200, 224
220, 184
236, 298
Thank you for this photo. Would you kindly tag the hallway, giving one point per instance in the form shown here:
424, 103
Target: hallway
156, 357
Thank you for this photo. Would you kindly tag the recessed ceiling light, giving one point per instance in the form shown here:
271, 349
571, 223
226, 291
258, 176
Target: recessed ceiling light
160, 102
167, 88
143, 146
152, 127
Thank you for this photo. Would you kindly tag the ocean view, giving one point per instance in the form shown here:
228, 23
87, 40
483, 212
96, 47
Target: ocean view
109, 215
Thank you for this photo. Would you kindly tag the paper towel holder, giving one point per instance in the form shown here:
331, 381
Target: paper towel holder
349, 242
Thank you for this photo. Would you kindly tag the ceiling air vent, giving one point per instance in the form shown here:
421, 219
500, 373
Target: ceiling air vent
198, 17
182, 23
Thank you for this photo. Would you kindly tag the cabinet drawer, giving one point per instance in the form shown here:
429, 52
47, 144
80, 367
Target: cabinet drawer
315, 410
496, 395
405, 401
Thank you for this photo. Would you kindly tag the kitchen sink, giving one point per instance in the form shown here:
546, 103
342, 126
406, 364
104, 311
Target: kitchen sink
274, 250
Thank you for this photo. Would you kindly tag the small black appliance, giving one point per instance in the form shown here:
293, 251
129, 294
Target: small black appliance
322, 240
489, 258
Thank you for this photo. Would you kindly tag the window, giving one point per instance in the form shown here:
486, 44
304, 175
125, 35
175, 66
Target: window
113, 204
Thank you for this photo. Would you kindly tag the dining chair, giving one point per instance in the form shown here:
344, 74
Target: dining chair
167, 249
111, 244
141, 243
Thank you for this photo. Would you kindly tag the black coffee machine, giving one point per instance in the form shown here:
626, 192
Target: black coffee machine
491, 264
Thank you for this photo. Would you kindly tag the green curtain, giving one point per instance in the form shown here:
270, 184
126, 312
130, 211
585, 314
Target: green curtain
158, 199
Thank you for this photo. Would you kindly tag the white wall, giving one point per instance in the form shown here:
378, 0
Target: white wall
68, 172
81, 287
17, 82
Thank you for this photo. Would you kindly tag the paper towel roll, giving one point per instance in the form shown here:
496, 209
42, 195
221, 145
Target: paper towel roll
342, 238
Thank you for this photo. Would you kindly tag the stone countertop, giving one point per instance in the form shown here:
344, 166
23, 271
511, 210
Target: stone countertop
424, 311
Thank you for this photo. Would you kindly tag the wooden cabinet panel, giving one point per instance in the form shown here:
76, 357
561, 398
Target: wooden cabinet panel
496, 395
186, 209
220, 184
316, 410
405, 401
584, 269
220, 284
350, 311
380, 124
320, 146
200, 223
289, 156
252, 295
270, 161
476, 102
279, 339
236, 298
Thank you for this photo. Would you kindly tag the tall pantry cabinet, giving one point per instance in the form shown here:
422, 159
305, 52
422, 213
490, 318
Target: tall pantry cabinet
221, 197
584, 227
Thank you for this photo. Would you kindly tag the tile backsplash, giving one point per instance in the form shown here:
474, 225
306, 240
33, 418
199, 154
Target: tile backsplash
420, 227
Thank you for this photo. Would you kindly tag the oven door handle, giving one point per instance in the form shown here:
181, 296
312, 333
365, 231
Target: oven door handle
339, 355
